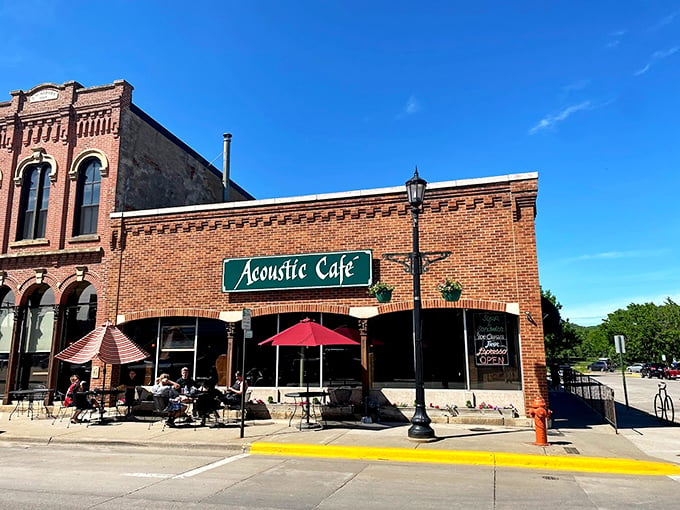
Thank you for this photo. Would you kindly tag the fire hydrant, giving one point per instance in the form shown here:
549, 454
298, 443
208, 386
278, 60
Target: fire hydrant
540, 415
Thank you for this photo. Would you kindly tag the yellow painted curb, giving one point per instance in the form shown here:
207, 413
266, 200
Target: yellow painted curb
585, 464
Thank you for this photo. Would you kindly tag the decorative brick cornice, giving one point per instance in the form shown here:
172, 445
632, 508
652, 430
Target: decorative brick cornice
5, 138
95, 123
51, 258
300, 214
524, 200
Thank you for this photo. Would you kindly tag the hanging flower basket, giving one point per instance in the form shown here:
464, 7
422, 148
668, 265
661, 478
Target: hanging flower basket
384, 296
450, 289
451, 295
381, 291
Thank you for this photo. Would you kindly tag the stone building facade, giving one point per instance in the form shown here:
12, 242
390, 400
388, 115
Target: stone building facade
69, 157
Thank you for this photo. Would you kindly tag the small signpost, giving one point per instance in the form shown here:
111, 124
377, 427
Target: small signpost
246, 326
620, 345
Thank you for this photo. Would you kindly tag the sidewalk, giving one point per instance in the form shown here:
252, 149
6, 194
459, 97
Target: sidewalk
578, 440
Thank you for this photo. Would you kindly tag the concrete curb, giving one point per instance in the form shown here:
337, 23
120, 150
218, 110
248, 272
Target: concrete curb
581, 464
241, 448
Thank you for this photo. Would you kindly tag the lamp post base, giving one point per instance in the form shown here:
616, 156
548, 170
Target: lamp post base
420, 425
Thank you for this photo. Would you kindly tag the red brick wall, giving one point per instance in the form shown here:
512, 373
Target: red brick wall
69, 120
172, 264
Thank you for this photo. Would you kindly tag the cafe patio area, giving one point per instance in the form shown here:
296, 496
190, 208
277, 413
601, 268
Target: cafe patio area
291, 413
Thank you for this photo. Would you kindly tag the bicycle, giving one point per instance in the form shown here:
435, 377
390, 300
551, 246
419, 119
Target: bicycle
663, 405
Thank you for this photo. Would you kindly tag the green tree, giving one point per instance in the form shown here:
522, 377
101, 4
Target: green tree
562, 340
650, 330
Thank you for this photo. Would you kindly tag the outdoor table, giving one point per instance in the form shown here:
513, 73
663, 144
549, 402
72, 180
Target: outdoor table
100, 400
29, 396
308, 409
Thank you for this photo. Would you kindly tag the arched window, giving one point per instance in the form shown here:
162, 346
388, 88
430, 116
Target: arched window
35, 197
37, 338
80, 315
87, 197
6, 330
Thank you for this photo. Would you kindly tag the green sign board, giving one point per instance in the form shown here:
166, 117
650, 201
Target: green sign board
305, 271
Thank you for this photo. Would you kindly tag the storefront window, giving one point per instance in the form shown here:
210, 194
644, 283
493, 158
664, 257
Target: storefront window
177, 345
443, 349
261, 359
390, 339
37, 338
493, 351
80, 317
6, 330
144, 332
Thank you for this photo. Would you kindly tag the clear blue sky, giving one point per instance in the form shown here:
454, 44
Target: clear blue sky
325, 96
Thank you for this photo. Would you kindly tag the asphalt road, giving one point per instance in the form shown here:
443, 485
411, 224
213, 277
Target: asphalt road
114, 478
640, 391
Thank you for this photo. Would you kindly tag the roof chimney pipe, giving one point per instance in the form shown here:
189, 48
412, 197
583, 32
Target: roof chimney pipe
226, 166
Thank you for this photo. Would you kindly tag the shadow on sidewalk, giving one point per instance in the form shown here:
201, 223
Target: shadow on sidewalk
570, 412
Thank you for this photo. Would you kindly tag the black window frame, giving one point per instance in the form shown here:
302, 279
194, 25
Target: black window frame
88, 193
35, 198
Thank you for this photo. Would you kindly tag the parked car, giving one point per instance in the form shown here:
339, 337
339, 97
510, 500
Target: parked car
652, 370
600, 366
672, 372
635, 368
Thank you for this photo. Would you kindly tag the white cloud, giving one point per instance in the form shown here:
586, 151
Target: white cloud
656, 56
577, 85
550, 120
411, 107
615, 38
666, 20
621, 254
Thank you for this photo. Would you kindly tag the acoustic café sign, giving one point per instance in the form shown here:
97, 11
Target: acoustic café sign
305, 271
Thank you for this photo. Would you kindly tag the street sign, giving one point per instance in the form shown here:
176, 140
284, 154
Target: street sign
247, 321
248, 333
620, 344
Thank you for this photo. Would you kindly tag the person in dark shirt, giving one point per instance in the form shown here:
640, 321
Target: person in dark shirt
233, 396
131, 391
186, 383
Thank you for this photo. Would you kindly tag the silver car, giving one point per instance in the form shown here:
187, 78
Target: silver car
635, 368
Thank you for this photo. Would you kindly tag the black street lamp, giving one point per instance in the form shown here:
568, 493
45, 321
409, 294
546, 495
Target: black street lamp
416, 263
420, 423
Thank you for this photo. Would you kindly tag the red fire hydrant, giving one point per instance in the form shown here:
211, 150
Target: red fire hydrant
540, 415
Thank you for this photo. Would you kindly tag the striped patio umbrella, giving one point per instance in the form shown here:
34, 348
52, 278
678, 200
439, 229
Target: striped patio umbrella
108, 343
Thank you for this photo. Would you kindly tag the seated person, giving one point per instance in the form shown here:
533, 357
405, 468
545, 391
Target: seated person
234, 392
186, 383
71, 391
131, 391
167, 389
80, 399
207, 401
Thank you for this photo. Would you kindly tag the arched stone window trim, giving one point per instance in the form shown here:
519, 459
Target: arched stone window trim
39, 156
89, 153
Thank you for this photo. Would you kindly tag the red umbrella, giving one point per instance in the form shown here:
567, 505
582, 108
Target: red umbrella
108, 343
309, 334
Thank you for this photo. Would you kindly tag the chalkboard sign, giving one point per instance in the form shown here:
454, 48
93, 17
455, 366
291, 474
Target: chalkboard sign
490, 339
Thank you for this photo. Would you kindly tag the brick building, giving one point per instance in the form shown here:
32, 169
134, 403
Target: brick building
185, 274
69, 157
